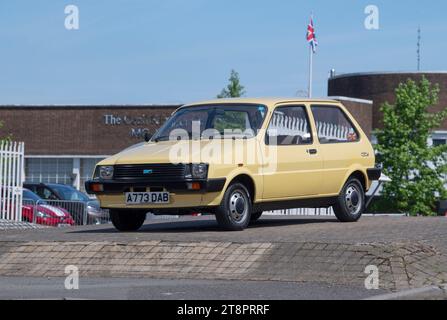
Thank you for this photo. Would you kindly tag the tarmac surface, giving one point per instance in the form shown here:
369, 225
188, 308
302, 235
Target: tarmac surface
409, 253
153, 289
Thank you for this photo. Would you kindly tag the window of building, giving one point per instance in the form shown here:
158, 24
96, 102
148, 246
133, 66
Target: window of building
49, 170
333, 126
439, 142
289, 126
87, 168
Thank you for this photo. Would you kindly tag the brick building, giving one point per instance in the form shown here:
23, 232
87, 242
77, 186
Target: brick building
64, 143
379, 87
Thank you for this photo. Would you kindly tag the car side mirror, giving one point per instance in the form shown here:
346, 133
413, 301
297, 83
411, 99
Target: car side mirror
147, 136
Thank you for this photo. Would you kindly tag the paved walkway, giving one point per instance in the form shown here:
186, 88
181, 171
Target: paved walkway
409, 252
13, 225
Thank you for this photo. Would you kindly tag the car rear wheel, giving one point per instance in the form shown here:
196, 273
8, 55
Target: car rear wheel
234, 212
124, 220
350, 204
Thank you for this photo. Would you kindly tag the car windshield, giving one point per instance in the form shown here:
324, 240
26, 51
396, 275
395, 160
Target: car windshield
70, 194
213, 121
29, 196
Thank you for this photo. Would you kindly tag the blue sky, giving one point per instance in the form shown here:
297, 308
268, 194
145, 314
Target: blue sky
174, 51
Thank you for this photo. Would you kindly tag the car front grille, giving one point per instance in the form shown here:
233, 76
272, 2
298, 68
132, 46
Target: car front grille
150, 172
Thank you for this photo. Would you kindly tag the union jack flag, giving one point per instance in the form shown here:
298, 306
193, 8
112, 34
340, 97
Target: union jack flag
311, 37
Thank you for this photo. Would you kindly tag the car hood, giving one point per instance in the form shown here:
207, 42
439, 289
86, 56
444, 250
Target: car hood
175, 152
161, 152
53, 211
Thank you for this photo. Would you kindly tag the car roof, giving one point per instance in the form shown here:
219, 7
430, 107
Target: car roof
265, 101
45, 184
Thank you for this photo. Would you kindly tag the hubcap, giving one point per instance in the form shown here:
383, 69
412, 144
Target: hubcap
238, 206
353, 200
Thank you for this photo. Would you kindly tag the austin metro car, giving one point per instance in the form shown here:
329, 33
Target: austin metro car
238, 158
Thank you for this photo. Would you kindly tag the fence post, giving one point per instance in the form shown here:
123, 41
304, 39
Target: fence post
1, 181
11, 180
85, 217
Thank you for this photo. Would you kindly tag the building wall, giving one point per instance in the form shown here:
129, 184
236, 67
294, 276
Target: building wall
82, 130
380, 88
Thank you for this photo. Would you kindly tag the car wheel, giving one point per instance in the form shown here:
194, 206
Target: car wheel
127, 220
255, 216
350, 204
234, 212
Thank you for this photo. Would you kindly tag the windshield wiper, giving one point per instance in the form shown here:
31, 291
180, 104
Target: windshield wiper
164, 138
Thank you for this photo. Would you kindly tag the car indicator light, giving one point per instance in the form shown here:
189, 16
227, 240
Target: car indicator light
97, 187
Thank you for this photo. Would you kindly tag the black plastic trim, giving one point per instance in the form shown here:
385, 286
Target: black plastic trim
374, 174
294, 204
118, 187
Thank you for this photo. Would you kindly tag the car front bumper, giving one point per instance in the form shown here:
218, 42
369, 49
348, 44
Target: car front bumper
184, 186
113, 192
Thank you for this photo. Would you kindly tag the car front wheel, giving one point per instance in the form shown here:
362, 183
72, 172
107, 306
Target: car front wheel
124, 220
350, 204
234, 212
255, 216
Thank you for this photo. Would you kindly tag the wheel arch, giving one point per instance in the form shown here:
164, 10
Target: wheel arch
248, 182
361, 176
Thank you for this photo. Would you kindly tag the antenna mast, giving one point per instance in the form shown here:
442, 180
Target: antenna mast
419, 49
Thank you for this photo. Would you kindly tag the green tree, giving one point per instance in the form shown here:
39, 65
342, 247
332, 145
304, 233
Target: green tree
417, 169
234, 88
4, 138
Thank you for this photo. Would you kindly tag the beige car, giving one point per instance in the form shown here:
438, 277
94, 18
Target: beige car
238, 158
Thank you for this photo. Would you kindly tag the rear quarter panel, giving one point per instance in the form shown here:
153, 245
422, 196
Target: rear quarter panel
341, 160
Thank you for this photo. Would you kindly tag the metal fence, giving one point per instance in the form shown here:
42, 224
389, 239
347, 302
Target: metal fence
303, 212
11, 180
57, 213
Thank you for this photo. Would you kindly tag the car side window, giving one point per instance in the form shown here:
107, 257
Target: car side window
289, 126
46, 193
333, 125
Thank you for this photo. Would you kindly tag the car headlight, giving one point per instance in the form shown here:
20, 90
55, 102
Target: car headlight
42, 215
197, 171
106, 172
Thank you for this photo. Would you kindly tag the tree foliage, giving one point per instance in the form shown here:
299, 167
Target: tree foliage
417, 170
234, 88
3, 138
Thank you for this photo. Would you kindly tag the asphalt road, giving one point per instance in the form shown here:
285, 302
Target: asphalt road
307, 251
268, 229
147, 289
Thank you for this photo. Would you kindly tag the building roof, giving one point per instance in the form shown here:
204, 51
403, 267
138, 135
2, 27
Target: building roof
89, 106
379, 73
266, 101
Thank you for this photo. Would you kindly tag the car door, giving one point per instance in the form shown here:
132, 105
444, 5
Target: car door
297, 172
339, 145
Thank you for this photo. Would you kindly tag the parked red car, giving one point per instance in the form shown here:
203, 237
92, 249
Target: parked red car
45, 214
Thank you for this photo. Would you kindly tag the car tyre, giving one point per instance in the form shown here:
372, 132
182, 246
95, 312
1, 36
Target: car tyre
234, 212
127, 220
350, 204
255, 216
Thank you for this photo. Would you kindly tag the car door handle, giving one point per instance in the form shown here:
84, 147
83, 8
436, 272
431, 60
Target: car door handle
312, 151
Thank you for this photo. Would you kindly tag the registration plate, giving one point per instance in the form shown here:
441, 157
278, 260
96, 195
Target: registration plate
147, 197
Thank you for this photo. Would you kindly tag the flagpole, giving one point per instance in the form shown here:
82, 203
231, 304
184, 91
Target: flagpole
311, 53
